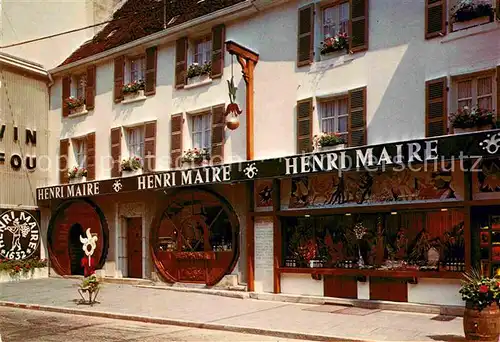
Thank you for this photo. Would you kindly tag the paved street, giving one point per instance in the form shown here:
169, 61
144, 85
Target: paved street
326, 320
18, 325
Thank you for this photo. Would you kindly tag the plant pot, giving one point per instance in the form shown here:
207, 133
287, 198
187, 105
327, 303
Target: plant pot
198, 79
77, 180
131, 96
332, 148
485, 127
193, 164
130, 173
333, 54
457, 130
461, 25
77, 110
481, 325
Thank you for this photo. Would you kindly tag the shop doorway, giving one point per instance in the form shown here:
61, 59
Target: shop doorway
75, 249
134, 247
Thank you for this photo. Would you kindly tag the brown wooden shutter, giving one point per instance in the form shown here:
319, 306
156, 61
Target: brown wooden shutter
180, 62
119, 74
218, 38
305, 45
218, 134
66, 92
116, 151
151, 58
358, 25
176, 140
436, 116
90, 156
90, 88
357, 117
304, 125
435, 18
150, 146
498, 14
63, 161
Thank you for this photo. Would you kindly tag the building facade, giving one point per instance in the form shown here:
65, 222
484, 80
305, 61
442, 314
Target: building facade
260, 202
24, 136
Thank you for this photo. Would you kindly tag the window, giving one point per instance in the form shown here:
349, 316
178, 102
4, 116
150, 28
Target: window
335, 20
201, 130
137, 68
333, 115
135, 142
476, 91
80, 150
81, 83
202, 51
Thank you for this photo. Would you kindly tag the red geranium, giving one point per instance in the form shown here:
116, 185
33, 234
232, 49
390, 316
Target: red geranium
483, 289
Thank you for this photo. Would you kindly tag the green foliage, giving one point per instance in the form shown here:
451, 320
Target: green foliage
195, 155
131, 164
480, 291
196, 69
472, 117
133, 87
18, 266
328, 139
91, 283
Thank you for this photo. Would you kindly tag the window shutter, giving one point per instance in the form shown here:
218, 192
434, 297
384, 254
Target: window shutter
304, 126
90, 88
180, 62
435, 18
305, 53
116, 151
90, 156
498, 87
357, 117
218, 38
358, 25
498, 12
63, 161
436, 122
176, 140
66, 92
150, 146
151, 58
119, 71
218, 133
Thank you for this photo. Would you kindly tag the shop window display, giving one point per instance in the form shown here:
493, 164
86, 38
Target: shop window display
419, 241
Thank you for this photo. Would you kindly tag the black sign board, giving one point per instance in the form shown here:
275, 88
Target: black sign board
19, 234
460, 147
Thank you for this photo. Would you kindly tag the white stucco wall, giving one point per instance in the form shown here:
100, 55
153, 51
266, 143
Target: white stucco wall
435, 291
301, 284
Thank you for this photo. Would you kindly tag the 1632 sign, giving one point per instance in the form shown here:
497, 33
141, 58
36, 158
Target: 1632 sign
19, 234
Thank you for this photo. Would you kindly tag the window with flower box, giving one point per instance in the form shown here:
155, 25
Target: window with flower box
201, 130
334, 115
78, 92
335, 28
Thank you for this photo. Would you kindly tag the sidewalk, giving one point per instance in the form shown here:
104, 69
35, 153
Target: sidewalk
303, 321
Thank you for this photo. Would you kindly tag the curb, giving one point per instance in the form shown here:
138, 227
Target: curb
182, 323
223, 293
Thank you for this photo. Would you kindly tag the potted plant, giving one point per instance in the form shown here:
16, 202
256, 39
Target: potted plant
131, 166
133, 89
15, 270
197, 73
75, 104
469, 13
481, 295
196, 157
472, 119
333, 44
328, 142
77, 174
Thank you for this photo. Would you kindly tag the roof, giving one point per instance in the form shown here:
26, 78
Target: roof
139, 18
23, 64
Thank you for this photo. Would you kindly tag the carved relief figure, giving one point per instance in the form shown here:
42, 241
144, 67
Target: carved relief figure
489, 178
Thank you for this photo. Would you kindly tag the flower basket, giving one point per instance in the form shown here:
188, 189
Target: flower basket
133, 89
198, 73
131, 166
481, 315
195, 157
472, 119
467, 10
328, 141
77, 174
75, 105
336, 43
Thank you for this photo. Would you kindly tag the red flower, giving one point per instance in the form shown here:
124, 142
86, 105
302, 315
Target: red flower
483, 289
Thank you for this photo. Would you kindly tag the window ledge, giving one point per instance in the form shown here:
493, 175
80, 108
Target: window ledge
136, 98
83, 112
333, 61
200, 83
471, 31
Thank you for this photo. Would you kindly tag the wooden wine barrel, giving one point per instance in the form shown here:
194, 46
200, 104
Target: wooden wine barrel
481, 325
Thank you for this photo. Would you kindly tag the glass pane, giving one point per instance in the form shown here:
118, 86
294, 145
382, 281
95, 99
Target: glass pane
344, 17
464, 103
485, 102
342, 109
330, 21
484, 86
343, 124
328, 125
464, 89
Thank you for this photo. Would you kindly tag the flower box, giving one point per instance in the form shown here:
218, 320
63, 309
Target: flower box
462, 25
35, 273
133, 95
77, 110
329, 55
193, 164
75, 180
131, 173
198, 79
332, 148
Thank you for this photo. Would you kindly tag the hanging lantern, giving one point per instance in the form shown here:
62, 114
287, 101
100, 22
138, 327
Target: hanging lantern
232, 110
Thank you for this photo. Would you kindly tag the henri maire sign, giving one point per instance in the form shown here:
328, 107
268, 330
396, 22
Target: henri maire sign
455, 147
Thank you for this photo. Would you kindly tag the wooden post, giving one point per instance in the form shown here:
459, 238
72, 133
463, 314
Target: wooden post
250, 237
248, 60
467, 215
277, 236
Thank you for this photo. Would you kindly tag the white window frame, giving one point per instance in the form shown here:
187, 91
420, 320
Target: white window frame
205, 133
141, 71
337, 20
474, 77
138, 142
80, 152
336, 116
206, 43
